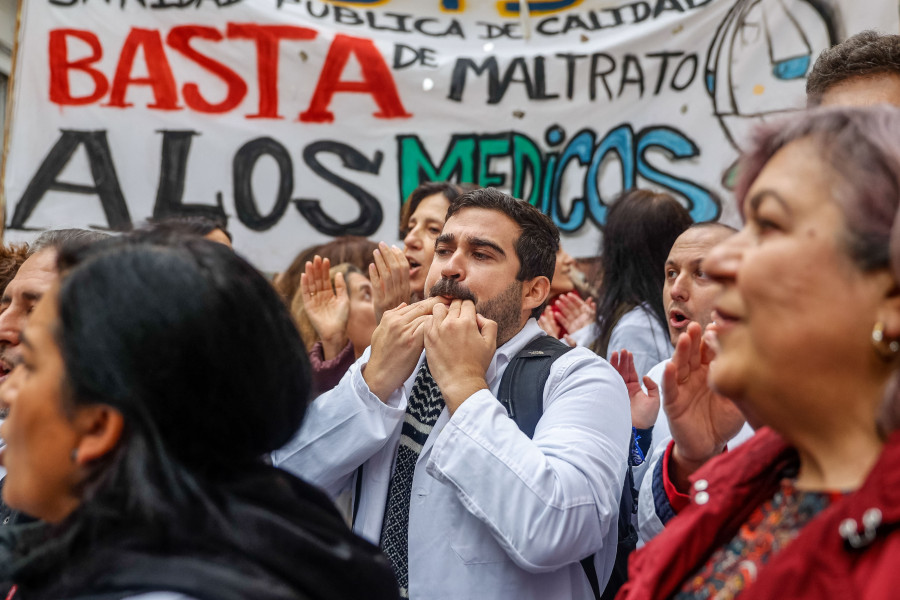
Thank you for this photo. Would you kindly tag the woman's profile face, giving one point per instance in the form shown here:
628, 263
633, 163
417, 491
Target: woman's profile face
361, 322
796, 313
425, 226
40, 437
562, 282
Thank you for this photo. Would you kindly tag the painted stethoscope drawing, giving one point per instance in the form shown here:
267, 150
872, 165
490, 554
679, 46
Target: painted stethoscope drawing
759, 58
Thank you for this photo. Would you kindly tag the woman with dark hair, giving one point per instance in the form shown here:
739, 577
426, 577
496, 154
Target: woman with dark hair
155, 376
807, 345
641, 227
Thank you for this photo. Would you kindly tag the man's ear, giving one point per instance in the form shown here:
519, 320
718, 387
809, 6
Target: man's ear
100, 427
535, 292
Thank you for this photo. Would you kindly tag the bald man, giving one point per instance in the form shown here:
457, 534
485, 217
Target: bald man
689, 297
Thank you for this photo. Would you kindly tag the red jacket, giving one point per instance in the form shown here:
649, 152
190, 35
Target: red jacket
819, 563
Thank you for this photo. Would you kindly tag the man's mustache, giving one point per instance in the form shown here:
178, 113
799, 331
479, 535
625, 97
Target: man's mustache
451, 288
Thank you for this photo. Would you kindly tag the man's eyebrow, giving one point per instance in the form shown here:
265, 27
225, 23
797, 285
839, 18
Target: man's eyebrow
485, 243
32, 296
445, 238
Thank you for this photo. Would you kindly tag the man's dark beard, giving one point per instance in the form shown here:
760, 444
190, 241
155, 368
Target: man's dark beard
451, 288
505, 308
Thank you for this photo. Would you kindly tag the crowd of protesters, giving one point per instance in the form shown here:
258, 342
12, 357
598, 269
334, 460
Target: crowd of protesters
710, 413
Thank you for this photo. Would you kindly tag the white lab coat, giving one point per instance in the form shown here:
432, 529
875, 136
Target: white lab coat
493, 513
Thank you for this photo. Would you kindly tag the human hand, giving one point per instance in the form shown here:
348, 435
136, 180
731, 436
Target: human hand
644, 405
397, 343
575, 313
548, 323
389, 274
327, 308
459, 344
701, 421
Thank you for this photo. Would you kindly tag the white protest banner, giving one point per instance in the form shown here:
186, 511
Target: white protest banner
302, 119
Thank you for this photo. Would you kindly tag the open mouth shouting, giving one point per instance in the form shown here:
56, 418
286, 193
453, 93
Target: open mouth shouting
415, 267
5, 369
678, 319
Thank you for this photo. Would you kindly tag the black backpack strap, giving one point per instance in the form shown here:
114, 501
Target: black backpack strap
522, 394
357, 492
522, 386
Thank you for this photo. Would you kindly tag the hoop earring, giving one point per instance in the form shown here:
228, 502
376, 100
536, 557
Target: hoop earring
885, 349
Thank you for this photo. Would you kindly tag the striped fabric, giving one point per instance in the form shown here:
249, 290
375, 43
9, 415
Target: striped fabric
422, 411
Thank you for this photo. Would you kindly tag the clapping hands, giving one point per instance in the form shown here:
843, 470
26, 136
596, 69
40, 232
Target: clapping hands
327, 307
389, 274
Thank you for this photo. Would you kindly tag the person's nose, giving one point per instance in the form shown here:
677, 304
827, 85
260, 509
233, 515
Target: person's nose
12, 320
454, 267
413, 239
680, 290
723, 260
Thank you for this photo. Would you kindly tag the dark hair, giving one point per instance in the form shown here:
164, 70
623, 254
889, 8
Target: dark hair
538, 240
57, 238
190, 225
450, 191
194, 348
11, 258
866, 53
641, 227
352, 249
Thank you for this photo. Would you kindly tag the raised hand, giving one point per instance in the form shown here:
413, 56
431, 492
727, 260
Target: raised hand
328, 308
548, 323
396, 345
701, 421
644, 405
389, 274
575, 313
459, 344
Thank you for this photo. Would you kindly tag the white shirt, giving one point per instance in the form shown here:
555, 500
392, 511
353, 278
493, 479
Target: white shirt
493, 514
639, 332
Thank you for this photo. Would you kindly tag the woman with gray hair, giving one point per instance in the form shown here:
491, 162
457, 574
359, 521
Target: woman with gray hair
806, 343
